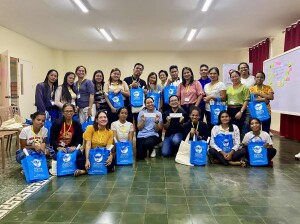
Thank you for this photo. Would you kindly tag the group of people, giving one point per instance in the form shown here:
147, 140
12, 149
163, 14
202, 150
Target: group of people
181, 114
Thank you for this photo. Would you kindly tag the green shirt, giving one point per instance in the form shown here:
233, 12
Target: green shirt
237, 97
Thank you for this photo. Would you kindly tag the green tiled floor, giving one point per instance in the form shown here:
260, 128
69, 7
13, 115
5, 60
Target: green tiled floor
160, 191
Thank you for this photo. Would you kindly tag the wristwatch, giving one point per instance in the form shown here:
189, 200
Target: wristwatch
241, 111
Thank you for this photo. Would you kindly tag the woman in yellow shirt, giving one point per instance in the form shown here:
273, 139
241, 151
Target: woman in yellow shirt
264, 93
100, 135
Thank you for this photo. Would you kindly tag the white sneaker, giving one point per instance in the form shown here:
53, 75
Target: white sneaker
53, 170
153, 154
297, 156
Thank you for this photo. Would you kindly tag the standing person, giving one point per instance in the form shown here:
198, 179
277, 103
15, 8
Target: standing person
115, 85
264, 93
153, 87
163, 76
148, 126
122, 129
214, 90
238, 97
65, 92
174, 80
246, 78
189, 91
45, 94
99, 98
234, 155
204, 79
173, 127
194, 126
85, 95
257, 135
99, 135
135, 81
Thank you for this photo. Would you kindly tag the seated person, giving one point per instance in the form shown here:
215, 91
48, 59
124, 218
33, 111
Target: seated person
173, 127
194, 126
99, 135
257, 135
67, 133
148, 127
122, 129
33, 137
227, 150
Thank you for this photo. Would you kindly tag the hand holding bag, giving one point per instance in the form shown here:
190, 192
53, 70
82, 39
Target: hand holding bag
169, 91
184, 152
224, 142
215, 110
124, 153
98, 157
87, 123
66, 162
257, 152
258, 110
116, 100
137, 97
155, 97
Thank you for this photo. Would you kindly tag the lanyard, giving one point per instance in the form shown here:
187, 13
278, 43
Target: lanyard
196, 127
79, 84
52, 92
99, 88
34, 135
73, 95
68, 128
187, 89
123, 129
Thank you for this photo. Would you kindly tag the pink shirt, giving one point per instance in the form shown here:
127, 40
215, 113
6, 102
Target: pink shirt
189, 94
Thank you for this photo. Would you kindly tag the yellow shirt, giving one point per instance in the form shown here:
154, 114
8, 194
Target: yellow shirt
265, 90
100, 138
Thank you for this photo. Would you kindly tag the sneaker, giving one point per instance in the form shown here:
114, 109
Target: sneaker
52, 173
297, 156
153, 154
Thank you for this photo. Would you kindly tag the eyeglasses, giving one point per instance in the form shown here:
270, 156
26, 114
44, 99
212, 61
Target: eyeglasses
69, 111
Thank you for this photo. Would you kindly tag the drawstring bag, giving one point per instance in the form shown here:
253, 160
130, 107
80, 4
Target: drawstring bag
257, 152
98, 157
155, 97
66, 162
215, 110
137, 97
258, 110
116, 100
168, 92
87, 123
124, 153
198, 153
224, 142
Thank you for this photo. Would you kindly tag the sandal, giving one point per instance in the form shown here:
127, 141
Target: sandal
79, 172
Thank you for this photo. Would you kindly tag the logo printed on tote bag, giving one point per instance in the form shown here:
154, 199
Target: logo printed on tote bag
136, 94
98, 158
66, 157
198, 149
258, 107
257, 149
124, 149
171, 91
36, 162
115, 99
217, 111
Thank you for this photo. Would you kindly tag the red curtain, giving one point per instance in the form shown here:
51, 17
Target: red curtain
259, 53
290, 124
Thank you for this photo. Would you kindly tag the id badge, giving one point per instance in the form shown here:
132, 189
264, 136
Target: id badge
62, 144
231, 102
78, 96
187, 99
52, 102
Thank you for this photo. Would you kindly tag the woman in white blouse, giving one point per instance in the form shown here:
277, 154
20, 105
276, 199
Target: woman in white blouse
214, 91
122, 129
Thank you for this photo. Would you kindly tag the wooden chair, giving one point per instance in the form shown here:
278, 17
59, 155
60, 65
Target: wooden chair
8, 135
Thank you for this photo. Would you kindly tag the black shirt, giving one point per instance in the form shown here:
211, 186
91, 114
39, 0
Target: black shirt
202, 129
129, 80
174, 126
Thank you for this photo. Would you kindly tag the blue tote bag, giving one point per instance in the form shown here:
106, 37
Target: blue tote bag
257, 153
258, 110
155, 97
98, 157
48, 124
169, 91
87, 123
66, 162
136, 97
124, 153
198, 153
215, 110
35, 167
224, 142
116, 100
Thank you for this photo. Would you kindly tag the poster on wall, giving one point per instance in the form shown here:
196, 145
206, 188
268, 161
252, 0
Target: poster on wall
227, 68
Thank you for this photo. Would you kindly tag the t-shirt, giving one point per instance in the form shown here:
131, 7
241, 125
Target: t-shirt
141, 83
111, 88
32, 138
65, 135
203, 82
101, 138
237, 97
248, 82
148, 129
263, 136
122, 130
189, 94
174, 126
99, 98
264, 89
213, 90
86, 88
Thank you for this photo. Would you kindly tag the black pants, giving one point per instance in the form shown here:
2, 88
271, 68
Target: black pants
266, 125
236, 156
208, 121
202, 111
271, 152
238, 122
144, 144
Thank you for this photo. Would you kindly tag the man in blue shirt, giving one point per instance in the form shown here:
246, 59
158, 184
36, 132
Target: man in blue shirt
203, 80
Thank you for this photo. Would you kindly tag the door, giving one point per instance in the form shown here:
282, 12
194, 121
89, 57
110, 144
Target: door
5, 100
26, 89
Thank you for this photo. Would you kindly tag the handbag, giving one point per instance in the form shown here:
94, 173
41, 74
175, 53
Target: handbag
215, 110
66, 162
124, 153
184, 152
257, 153
136, 97
224, 142
98, 157
258, 110
116, 100
35, 167
87, 123
155, 97
168, 92
198, 153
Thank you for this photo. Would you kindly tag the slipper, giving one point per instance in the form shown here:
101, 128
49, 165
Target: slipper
79, 172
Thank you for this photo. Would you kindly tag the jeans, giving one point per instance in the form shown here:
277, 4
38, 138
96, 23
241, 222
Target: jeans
143, 144
21, 155
171, 144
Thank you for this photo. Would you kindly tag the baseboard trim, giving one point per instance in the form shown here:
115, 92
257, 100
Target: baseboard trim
277, 133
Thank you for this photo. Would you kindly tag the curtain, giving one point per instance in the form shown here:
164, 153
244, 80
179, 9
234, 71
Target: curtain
290, 124
259, 53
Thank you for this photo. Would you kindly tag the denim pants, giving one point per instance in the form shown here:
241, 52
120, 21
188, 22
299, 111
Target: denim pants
171, 144
21, 155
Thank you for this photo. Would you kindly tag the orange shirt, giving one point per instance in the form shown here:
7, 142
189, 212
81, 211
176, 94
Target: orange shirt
265, 90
